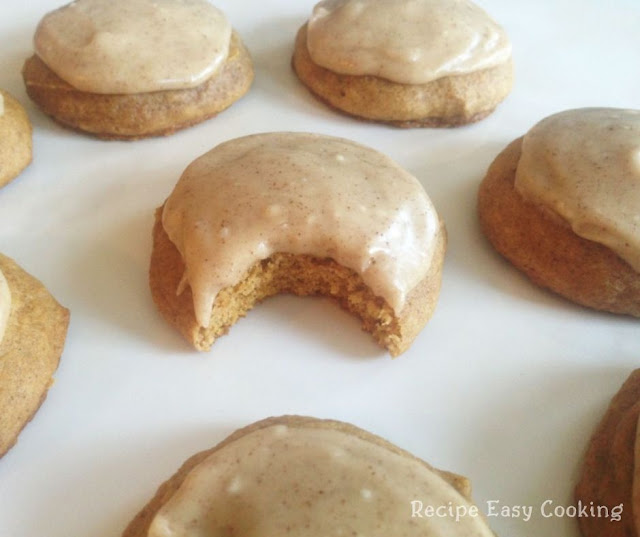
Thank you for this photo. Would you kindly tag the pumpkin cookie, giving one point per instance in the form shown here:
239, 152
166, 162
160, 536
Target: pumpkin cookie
128, 69
15, 138
304, 476
609, 486
562, 205
33, 328
425, 63
298, 213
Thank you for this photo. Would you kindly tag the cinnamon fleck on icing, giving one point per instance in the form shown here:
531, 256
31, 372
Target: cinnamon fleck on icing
405, 41
308, 482
133, 46
584, 165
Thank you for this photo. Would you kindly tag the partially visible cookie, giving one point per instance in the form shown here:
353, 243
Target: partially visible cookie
609, 486
430, 63
15, 138
305, 476
136, 68
30, 347
580, 246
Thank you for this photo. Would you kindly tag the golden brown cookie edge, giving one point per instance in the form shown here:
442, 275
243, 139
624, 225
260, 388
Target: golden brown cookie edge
607, 469
30, 350
16, 149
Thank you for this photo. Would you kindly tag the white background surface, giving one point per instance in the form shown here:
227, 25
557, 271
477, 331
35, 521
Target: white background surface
505, 385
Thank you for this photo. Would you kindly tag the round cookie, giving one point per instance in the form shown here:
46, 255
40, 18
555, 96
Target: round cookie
302, 495
30, 348
303, 214
546, 247
125, 113
15, 138
609, 484
441, 92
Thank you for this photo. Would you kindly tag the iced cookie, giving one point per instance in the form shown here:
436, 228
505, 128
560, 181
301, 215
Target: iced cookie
136, 68
411, 63
295, 475
33, 328
297, 213
562, 205
15, 138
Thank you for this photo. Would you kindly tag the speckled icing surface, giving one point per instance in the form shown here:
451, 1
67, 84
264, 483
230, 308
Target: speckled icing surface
295, 481
133, 46
405, 41
584, 165
301, 194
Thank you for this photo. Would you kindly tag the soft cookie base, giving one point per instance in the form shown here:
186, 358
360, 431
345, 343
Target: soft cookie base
297, 274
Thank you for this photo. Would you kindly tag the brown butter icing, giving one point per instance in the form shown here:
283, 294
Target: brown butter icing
133, 46
405, 41
305, 482
584, 165
302, 194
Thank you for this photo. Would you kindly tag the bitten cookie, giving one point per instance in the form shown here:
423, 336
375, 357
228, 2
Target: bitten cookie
128, 69
33, 328
297, 213
425, 63
304, 476
561, 204
15, 138
609, 486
